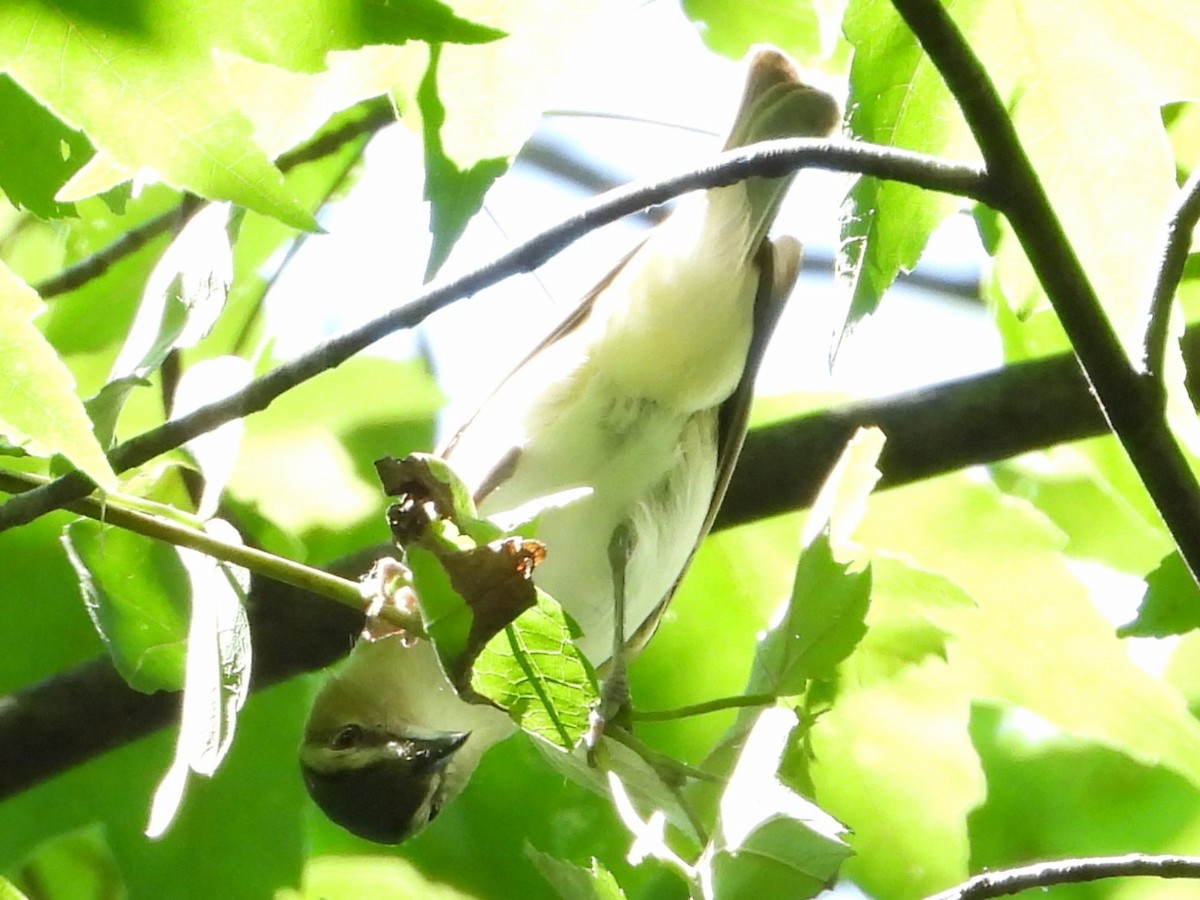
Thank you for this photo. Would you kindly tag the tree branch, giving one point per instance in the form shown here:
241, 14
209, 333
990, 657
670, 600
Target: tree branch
69, 718
1176, 244
771, 158
1132, 402
376, 114
1071, 871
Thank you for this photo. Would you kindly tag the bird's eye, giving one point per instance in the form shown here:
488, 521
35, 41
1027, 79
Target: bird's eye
350, 736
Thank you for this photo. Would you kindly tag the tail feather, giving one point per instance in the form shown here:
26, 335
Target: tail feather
776, 104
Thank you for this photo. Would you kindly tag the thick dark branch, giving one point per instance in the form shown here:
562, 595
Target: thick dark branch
1132, 402
1176, 244
772, 158
75, 716
1071, 871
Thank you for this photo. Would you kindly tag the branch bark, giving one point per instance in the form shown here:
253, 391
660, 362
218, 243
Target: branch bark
771, 158
1133, 402
1071, 871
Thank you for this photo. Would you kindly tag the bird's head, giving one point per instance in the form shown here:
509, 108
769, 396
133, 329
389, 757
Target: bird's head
388, 742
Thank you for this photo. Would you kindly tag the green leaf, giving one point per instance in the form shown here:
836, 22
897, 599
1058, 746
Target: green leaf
183, 297
156, 98
822, 624
38, 157
572, 881
1171, 604
330, 877
534, 670
9, 892
77, 864
495, 93
455, 194
897, 98
216, 676
769, 841
39, 409
1052, 798
731, 29
1034, 638
136, 595
894, 761
1045, 59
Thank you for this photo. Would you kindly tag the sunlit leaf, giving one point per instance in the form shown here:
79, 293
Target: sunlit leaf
38, 157
1033, 639
534, 670
77, 864
770, 841
216, 677
39, 409
733, 28
894, 762
136, 595
156, 101
455, 194
571, 881
1171, 604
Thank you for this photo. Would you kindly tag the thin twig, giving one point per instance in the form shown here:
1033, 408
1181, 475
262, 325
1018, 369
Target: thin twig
771, 159
1176, 244
701, 709
1133, 404
376, 114
346, 592
1071, 871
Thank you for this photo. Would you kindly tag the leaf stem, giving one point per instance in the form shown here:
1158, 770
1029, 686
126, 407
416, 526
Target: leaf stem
700, 709
1132, 402
164, 523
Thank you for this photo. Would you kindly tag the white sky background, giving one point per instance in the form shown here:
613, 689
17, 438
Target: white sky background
374, 253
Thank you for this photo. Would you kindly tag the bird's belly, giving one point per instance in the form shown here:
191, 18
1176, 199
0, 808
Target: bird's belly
648, 467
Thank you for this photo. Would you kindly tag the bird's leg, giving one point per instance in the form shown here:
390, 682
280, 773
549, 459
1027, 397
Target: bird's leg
613, 705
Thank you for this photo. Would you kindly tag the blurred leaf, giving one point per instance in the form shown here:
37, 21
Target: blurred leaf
381, 877
1067, 485
137, 62
1034, 639
136, 594
494, 94
77, 865
216, 675
1171, 604
911, 618
731, 29
455, 194
330, 443
893, 760
183, 297
771, 842
39, 409
38, 157
1050, 798
1042, 58
8, 892
572, 881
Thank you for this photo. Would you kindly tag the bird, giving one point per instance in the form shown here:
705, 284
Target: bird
638, 400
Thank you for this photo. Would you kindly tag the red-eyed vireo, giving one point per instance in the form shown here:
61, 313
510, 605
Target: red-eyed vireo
641, 397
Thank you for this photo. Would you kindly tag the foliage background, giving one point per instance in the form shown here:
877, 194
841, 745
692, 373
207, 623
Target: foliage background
991, 715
